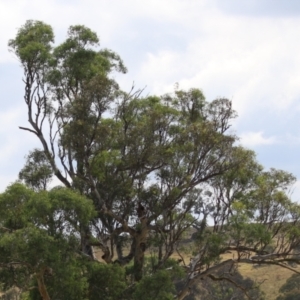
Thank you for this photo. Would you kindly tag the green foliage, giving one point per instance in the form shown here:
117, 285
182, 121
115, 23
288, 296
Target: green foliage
39, 235
215, 242
106, 282
257, 233
37, 172
12, 203
66, 280
158, 286
152, 263
33, 44
148, 167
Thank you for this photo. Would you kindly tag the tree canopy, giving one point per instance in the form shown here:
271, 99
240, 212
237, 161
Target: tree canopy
138, 172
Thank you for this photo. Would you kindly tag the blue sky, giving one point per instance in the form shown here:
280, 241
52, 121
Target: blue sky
247, 51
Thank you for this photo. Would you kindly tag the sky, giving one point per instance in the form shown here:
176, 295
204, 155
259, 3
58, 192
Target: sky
246, 51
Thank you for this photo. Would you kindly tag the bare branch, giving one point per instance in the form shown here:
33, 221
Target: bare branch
28, 129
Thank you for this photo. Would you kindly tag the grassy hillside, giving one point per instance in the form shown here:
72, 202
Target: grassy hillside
270, 278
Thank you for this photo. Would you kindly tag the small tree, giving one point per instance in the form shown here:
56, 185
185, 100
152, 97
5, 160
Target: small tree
39, 241
37, 172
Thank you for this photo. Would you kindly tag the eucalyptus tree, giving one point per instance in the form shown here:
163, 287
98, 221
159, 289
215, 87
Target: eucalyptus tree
39, 238
153, 166
141, 160
254, 220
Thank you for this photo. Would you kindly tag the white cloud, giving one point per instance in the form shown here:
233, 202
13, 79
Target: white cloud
8, 118
14, 142
6, 180
111, 19
253, 139
54, 183
250, 60
253, 61
295, 192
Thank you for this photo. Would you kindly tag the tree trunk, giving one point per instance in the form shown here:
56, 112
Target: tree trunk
86, 247
123, 260
186, 290
140, 247
41, 285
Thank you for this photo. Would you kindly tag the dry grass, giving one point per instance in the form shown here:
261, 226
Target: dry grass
270, 278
